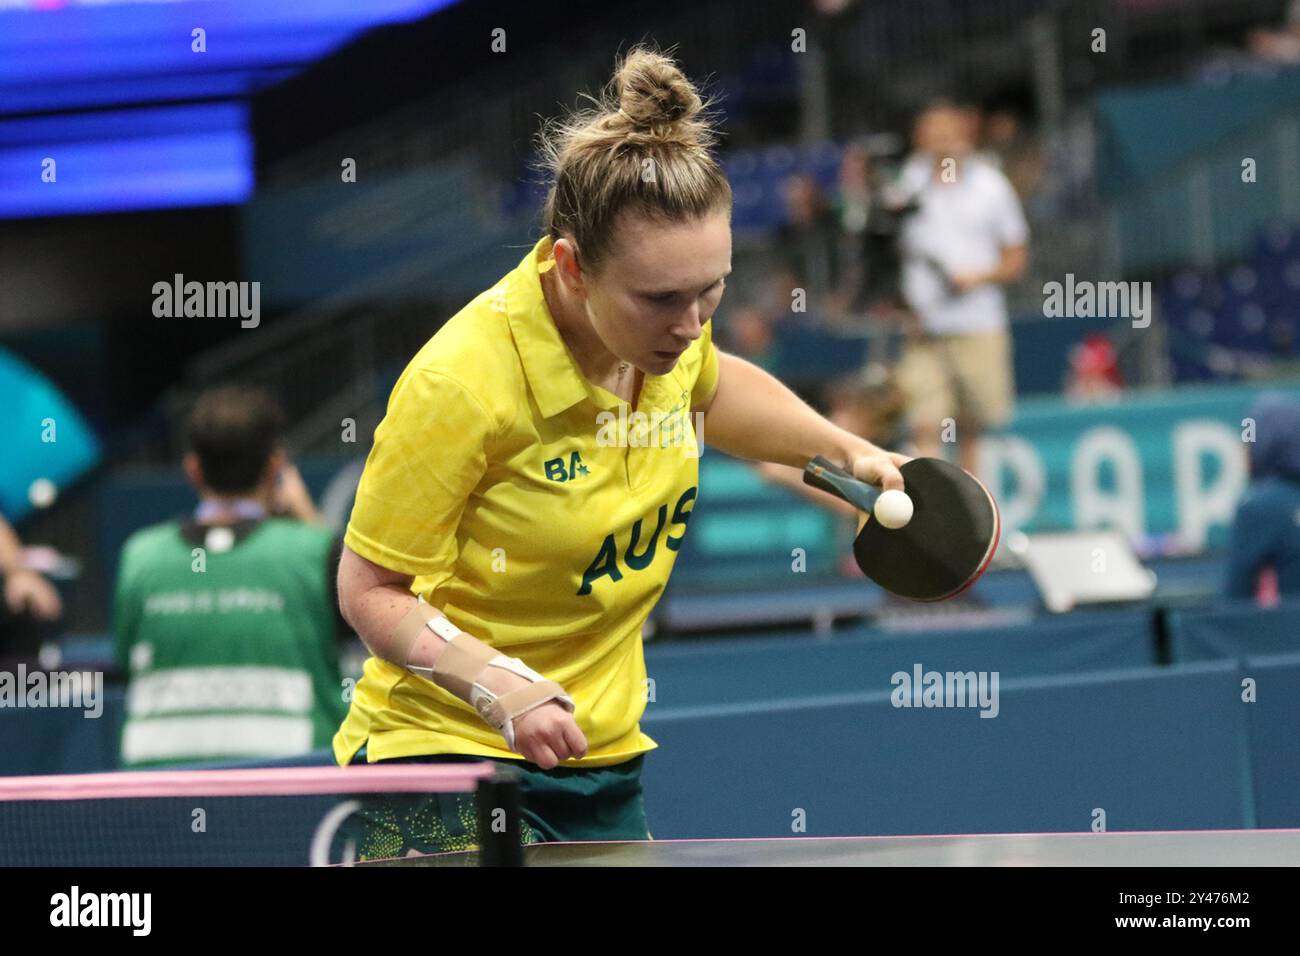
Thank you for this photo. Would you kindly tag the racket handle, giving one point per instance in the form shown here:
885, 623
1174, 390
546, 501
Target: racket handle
830, 477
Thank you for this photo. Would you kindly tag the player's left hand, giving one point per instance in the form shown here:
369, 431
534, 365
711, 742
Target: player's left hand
27, 591
292, 496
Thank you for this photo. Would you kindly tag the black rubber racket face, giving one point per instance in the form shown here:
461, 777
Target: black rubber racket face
945, 547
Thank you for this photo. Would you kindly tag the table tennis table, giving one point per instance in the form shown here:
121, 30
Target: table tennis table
1152, 848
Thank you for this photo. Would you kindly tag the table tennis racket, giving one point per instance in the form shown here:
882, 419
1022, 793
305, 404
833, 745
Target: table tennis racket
946, 546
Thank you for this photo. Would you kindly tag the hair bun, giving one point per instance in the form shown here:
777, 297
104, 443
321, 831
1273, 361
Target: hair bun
595, 160
652, 92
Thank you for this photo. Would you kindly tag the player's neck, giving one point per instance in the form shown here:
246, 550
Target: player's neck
595, 361
230, 509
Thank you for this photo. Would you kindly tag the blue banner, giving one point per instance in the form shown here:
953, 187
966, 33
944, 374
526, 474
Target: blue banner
1163, 463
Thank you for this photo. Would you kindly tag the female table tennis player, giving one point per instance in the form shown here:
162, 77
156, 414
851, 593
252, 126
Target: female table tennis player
507, 545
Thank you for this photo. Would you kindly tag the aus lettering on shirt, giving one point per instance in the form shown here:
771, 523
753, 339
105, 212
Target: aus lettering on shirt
606, 563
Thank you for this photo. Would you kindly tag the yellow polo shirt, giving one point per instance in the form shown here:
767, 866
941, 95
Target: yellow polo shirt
538, 511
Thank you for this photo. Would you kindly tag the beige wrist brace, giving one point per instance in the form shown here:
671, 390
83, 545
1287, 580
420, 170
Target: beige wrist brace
461, 665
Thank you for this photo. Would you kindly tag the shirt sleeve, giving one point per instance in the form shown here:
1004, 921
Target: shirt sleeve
1251, 545
430, 453
125, 611
1009, 226
706, 383
342, 630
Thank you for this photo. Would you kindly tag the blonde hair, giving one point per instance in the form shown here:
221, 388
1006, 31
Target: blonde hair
646, 148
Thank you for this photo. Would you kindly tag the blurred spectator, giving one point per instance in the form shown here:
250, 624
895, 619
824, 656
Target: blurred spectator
750, 335
809, 245
966, 238
227, 623
1264, 546
856, 189
1280, 45
869, 236
779, 297
1006, 143
869, 404
1094, 371
31, 606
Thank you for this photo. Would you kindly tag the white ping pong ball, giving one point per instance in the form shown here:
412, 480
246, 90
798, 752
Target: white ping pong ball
893, 509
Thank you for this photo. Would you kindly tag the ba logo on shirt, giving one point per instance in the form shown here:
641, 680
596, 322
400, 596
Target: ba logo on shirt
606, 563
557, 471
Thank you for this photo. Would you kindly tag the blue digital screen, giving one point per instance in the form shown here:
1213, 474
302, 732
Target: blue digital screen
126, 60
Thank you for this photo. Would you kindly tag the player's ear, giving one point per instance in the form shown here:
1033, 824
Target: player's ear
193, 470
273, 465
568, 265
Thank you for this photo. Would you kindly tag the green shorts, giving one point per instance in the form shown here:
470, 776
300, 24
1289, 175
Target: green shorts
566, 804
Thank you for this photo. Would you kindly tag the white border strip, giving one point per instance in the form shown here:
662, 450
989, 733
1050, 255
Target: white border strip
259, 782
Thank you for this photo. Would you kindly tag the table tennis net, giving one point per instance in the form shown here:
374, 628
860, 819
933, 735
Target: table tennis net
292, 816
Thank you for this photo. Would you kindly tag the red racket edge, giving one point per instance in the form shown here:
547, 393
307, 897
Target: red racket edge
988, 557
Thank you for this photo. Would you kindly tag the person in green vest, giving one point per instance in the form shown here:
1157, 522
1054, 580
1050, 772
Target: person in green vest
227, 622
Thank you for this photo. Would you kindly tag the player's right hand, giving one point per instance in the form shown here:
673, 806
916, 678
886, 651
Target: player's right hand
548, 734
